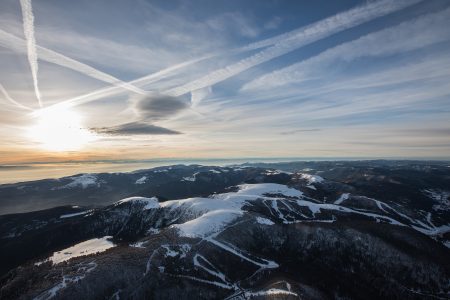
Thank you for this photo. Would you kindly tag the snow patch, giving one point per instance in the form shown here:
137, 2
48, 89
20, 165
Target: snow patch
264, 221
84, 248
276, 172
270, 292
190, 178
342, 198
441, 197
138, 244
74, 214
153, 231
141, 180
84, 181
311, 178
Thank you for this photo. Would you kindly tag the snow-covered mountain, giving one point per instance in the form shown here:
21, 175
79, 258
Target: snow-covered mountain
263, 233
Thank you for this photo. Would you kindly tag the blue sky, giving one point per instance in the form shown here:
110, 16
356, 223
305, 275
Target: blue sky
149, 79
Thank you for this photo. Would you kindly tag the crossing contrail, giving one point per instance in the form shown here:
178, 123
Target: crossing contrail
274, 47
297, 39
28, 30
18, 45
8, 97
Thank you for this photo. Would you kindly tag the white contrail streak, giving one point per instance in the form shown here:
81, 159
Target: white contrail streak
114, 90
16, 44
297, 39
8, 97
28, 30
275, 47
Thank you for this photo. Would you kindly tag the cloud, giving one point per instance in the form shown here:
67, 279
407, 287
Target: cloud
421, 32
279, 45
148, 109
299, 130
17, 44
28, 30
198, 95
8, 97
134, 128
156, 107
233, 22
302, 37
273, 23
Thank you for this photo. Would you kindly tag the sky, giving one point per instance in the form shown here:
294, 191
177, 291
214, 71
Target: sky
128, 80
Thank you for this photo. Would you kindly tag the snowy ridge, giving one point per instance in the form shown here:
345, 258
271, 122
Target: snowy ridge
211, 216
148, 202
216, 212
208, 216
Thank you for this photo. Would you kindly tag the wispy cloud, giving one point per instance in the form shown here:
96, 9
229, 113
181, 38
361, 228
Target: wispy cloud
421, 32
277, 46
11, 100
28, 30
12, 42
299, 38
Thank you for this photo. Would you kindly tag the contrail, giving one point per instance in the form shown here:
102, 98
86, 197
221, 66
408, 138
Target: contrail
276, 46
297, 39
114, 90
422, 31
17, 44
8, 97
28, 30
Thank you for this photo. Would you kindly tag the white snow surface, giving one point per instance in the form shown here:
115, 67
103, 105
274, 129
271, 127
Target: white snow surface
84, 248
84, 180
276, 172
190, 178
138, 244
342, 198
264, 221
141, 180
149, 202
74, 214
212, 214
312, 178
441, 197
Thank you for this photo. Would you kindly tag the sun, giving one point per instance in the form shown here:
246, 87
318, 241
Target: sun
59, 129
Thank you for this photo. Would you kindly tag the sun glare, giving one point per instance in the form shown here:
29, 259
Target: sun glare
59, 129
